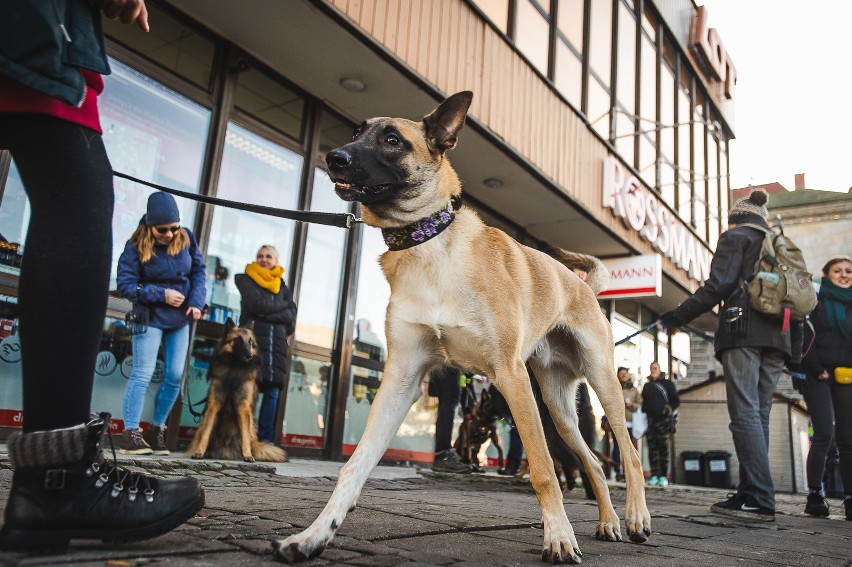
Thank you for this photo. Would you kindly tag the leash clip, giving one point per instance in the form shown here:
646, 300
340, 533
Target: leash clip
352, 220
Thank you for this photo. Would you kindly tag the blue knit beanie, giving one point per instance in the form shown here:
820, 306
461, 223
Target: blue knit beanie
162, 209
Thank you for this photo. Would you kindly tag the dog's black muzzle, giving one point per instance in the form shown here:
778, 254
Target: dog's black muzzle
344, 171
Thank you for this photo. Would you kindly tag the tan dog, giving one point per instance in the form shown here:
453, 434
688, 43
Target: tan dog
530, 306
228, 430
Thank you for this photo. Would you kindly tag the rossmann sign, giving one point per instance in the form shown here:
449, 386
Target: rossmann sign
640, 210
634, 276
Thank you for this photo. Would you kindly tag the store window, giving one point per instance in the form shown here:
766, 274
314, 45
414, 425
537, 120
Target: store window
156, 135
170, 43
254, 170
320, 289
600, 40
626, 135
415, 439
712, 192
684, 166
626, 75
700, 171
599, 105
532, 33
306, 411
569, 21
568, 74
267, 99
648, 110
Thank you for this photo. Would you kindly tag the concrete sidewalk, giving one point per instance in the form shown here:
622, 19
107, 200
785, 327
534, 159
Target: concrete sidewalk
408, 518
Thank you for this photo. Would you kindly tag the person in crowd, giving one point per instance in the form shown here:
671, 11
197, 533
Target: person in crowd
752, 348
49, 87
586, 424
445, 383
659, 401
161, 271
267, 302
829, 399
632, 402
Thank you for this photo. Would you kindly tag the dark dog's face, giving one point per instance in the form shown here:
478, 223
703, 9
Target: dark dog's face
393, 165
239, 343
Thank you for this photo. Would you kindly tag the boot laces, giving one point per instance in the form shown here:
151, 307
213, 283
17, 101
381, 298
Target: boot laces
111, 472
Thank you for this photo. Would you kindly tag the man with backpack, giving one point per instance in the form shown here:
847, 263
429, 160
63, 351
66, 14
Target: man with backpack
753, 347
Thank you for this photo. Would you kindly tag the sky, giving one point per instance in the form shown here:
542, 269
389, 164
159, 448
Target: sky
793, 97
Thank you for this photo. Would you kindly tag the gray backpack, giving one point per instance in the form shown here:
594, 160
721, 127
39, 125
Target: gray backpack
781, 284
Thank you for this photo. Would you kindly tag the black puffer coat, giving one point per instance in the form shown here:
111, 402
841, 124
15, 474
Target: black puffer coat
830, 349
734, 261
274, 317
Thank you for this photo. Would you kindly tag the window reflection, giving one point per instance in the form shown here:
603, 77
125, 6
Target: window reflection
170, 43
265, 98
569, 74
254, 170
306, 411
598, 108
320, 289
569, 20
152, 133
600, 40
14, 220
626, 76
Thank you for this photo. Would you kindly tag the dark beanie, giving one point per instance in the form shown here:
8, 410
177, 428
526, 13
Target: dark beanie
755, 204
162, 209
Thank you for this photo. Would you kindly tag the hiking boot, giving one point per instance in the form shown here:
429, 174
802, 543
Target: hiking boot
743, 506
156, 439
63, 488
132, 443
448, 461
816, 505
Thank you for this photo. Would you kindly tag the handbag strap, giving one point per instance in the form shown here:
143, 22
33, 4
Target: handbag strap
662, 390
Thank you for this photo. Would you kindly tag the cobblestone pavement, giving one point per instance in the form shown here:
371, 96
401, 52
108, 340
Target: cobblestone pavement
407, 518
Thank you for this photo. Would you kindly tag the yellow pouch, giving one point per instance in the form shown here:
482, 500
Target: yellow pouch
843, 375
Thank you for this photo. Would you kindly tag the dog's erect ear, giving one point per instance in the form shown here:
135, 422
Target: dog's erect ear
229, 324
250, 326
445, 122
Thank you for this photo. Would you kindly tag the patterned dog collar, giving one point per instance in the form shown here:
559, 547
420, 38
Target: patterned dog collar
419, 231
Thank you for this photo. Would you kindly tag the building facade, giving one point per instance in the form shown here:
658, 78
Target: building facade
600, 126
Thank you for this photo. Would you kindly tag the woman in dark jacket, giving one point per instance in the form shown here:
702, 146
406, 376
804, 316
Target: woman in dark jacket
829, 401
161, 270
267, 302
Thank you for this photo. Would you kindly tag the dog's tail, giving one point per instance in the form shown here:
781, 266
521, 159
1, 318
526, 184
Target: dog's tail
264, 452
590, 269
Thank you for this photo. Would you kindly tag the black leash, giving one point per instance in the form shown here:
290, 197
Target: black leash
341, 220
639, 332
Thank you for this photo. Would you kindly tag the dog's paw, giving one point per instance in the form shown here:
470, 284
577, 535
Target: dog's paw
608, 532
638, 522
198, 456
562, 553
292, 550
248, 458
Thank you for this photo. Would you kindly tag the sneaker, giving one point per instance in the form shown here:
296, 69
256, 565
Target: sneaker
663, 482
743, 506
156, 438
132, 443
816, 505
64, 488
448, 461
653, 481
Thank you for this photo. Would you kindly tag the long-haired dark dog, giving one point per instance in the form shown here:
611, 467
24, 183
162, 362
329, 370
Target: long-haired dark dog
228, 429
477, 427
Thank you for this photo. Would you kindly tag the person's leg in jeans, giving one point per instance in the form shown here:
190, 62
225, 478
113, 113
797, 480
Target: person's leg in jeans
268, 407
818, 398
448, 401
750, 379
175, 345
68, 180
145, 348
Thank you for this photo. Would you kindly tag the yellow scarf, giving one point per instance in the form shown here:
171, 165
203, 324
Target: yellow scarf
269, 280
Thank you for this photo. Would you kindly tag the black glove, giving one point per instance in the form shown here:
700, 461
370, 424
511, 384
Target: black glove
669, 320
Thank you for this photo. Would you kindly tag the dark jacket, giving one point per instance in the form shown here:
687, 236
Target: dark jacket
653, 400
35, 51
146, 284
830, 349
274, 317
736, 255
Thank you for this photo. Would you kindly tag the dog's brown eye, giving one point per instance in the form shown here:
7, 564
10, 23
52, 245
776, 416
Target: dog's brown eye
392, 139
356, 133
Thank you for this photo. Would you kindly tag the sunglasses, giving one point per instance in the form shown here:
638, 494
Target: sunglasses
165, 229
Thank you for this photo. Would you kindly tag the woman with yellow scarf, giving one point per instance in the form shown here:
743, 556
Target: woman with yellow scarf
266, 301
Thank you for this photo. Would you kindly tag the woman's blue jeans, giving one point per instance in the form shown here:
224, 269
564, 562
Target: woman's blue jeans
145, 348
268, 407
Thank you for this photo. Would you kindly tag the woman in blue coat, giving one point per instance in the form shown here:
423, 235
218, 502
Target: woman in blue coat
161, 269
